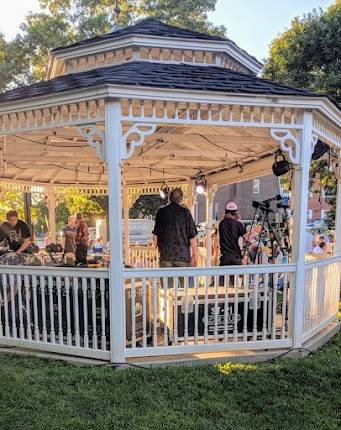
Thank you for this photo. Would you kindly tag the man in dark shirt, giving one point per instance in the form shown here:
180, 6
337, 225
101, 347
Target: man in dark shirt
175, 233
230, 230
17, 233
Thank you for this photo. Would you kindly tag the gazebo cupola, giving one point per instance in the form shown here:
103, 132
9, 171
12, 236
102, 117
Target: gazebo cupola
150, 40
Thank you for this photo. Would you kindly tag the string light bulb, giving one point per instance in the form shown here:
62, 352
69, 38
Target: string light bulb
200, 185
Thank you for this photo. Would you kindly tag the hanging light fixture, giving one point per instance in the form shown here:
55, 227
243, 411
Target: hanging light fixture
164, 191
200, 185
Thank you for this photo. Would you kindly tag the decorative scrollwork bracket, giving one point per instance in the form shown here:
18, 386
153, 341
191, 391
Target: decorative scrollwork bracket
95, 138
288, 143
140, 130
314, 139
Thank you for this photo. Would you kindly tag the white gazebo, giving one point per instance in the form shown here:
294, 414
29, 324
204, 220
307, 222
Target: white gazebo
125, 114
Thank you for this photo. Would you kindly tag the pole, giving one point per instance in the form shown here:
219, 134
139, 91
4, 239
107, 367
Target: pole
27, 211
300, 192
116, 290
126, 224
51, 204
337, 238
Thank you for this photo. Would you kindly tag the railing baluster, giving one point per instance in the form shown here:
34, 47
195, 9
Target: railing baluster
12, 298
35, 308
94, 319
144, 313
75, 289
246, 306
185, 304
216, 307
85, 311
133, 316
175, 301
52, 330
255, 308
28, 306
207, 280
226, 308
155, 312
284, 304
196, 310
103, 336
68, 311
265, 306
43, 307
235, 310
20, 305
60, 311
5, 299
165, 311
274, 305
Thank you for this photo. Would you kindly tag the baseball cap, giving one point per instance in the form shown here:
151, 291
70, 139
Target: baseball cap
231, 206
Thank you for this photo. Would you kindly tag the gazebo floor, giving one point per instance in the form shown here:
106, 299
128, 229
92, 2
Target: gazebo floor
246, 356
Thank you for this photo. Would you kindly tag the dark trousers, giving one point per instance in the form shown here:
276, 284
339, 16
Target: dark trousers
229, 260
170, 264
81, 253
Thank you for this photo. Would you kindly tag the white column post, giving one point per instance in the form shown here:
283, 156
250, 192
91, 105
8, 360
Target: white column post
51, 204
300, 191
116, 288
210, 193
126, 224
337, 239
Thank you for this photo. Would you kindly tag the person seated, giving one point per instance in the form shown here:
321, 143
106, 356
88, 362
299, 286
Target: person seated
320, 249
17, 233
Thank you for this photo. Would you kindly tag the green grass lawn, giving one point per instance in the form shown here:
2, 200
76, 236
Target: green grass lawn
286, 394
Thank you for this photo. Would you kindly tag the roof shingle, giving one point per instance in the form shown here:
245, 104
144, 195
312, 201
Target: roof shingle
149, 26
158, 75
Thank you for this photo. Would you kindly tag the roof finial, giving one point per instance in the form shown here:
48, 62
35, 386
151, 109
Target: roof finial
117, 12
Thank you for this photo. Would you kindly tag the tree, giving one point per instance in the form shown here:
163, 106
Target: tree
146, 206
62, 22
307, 54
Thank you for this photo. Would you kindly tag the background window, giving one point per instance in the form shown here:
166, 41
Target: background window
255, 186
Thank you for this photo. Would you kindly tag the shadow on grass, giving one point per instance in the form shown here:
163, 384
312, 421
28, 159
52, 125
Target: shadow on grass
288, 394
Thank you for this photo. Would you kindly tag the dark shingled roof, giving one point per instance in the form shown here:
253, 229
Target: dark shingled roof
149, 26
158, 75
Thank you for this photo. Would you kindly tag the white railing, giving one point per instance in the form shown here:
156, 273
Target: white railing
143, 256
55, 309
321, 294
176, 311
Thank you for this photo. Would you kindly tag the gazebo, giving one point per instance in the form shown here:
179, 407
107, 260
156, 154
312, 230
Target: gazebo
128, 113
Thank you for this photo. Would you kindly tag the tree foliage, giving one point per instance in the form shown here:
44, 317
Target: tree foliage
62, 22
307, 54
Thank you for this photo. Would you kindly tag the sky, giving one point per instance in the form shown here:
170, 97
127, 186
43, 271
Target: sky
252, 24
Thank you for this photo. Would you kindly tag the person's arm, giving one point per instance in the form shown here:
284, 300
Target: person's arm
156, 229
26, 243
194, 251
193, 242
25, 232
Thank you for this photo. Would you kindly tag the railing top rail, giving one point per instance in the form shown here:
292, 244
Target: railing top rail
325, 262
55, 271
209, 271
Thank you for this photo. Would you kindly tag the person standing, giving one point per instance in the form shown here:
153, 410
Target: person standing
175, 233
230, 230
82, 239
17, 233
69, 236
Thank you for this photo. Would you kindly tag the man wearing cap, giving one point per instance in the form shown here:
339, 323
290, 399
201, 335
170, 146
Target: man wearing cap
175, 233
230, 230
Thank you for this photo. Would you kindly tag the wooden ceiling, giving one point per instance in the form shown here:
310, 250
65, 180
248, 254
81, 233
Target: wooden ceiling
172, 153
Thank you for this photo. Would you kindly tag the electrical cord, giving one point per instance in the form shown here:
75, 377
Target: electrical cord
49, 144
